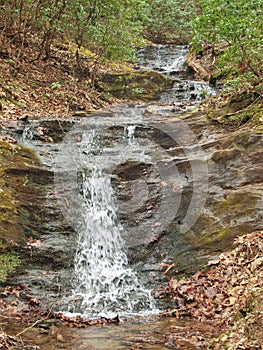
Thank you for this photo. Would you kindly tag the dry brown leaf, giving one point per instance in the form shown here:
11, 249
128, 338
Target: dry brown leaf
256, 263
60, 338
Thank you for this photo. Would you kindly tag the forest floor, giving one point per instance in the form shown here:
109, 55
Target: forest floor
229, 294
41, 88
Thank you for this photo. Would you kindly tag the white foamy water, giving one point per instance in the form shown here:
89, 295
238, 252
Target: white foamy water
28, 134
103, 282
166, 59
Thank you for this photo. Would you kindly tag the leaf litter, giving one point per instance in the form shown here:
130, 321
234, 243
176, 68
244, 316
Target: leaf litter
228, 296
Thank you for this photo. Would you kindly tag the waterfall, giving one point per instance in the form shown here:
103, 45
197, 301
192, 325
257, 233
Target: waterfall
27, 134
89, 162
171, 61
129, 134
165, 59
103, 281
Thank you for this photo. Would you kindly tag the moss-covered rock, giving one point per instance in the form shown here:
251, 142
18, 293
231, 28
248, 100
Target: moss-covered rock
236, 109
21, 190
134, 85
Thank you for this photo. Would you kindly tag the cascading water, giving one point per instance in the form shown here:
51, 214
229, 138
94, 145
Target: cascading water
165, 59
171, 61
129, 133
103, 282
27, 134
103, 278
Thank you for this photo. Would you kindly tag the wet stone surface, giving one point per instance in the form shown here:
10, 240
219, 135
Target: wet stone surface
154, 334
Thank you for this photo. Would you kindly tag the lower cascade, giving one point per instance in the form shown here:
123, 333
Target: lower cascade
104, 284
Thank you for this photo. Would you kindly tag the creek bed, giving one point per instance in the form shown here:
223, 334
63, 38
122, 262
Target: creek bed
154, 333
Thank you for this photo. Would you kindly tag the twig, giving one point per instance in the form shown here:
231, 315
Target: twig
169, 268
35, 323
6, 316
32, 325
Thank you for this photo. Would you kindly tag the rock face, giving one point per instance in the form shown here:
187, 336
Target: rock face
31, 224
25, 213
234, 200
21, 192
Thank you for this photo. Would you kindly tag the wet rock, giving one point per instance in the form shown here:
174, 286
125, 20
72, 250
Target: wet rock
151, 110
235, 109
225, 155
234, 203
22, 181
53, 130
28, 209
135, 85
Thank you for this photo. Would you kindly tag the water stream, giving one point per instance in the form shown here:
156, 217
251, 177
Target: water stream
104, 283
171, 61
143, 193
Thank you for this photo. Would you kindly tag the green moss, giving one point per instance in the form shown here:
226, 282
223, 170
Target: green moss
222, 234
223, 337
235, 110
134, 85
203, 223
8, 264
225, 222
258, 129
20, 193
209, 237
22, 183
16, 155
238, 203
